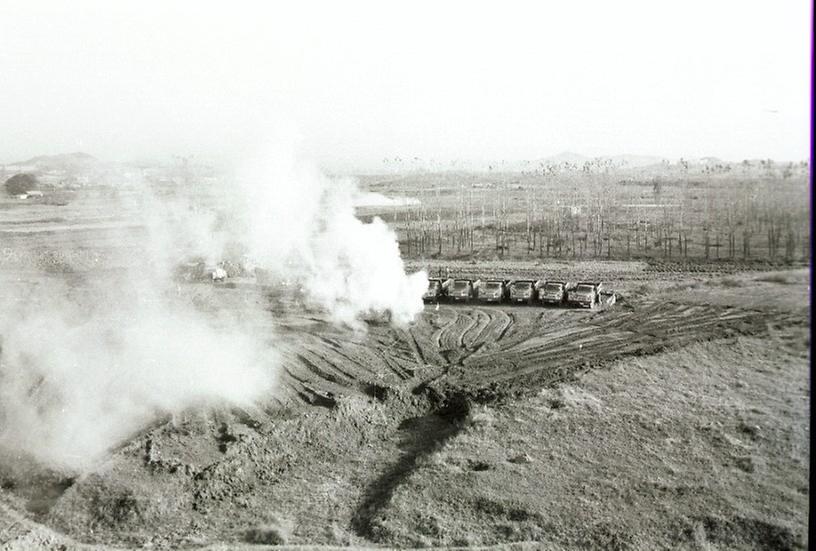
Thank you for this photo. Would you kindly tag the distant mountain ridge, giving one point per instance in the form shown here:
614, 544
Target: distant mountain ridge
61, 161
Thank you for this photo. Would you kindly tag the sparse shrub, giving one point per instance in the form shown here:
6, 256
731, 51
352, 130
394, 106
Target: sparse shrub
479, 466
745, 464
752, 430
20, 183
468, 540
743, 533
420, 542
489, 506
335, 535
481, 418
429, 525
775, 278
276, 532
114, 507
380, 531
608, 536
521, 458
54, 262
566, 396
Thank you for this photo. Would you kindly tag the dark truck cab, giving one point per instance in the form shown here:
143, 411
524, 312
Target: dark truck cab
553, 292
585, 294
437, 289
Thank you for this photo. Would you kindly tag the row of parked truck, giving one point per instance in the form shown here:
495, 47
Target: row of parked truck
586, 294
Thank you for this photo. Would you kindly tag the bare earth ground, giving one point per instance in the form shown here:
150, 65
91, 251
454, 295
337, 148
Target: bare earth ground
676, 419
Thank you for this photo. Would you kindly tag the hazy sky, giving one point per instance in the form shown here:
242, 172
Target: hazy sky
358, 81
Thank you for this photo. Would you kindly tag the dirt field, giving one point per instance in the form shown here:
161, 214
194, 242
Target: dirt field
480, 425
678, 418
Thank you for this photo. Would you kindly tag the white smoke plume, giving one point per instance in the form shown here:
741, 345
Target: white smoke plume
301, 226
85, 362
372, 199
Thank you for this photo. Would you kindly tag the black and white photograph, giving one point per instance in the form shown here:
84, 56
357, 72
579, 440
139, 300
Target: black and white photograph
405, 275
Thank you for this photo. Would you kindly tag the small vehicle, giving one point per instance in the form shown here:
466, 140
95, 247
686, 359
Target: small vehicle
523, 290
494, 290
464, 290
437, 289
218, 274
553, 292
586, 294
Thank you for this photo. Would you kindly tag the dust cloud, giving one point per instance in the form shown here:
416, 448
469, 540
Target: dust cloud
86, 362
301, 226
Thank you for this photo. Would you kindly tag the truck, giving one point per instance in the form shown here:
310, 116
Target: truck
553, 292
523, 290
437, 289
494, 290
464, 290
586, 294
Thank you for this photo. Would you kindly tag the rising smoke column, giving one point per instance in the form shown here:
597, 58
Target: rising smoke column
87, 361
301, 226
72, 387
84, 366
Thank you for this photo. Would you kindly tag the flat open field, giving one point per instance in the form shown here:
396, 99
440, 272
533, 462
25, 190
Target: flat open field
661, 214
676, 419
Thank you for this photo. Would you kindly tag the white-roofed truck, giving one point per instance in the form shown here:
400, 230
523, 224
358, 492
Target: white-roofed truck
586, 294
464, 290
437, 289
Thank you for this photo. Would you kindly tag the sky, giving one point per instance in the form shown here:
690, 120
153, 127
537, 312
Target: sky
354, 82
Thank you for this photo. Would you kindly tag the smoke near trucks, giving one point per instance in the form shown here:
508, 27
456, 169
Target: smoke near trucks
308, 233
91, 354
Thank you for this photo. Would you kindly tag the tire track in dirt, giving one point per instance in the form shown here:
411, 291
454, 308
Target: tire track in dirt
452, 336
452, 345
498, 323
604, 336
473, 347
471, 335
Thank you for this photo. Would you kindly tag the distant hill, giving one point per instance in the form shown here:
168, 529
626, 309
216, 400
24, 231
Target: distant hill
62, 161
